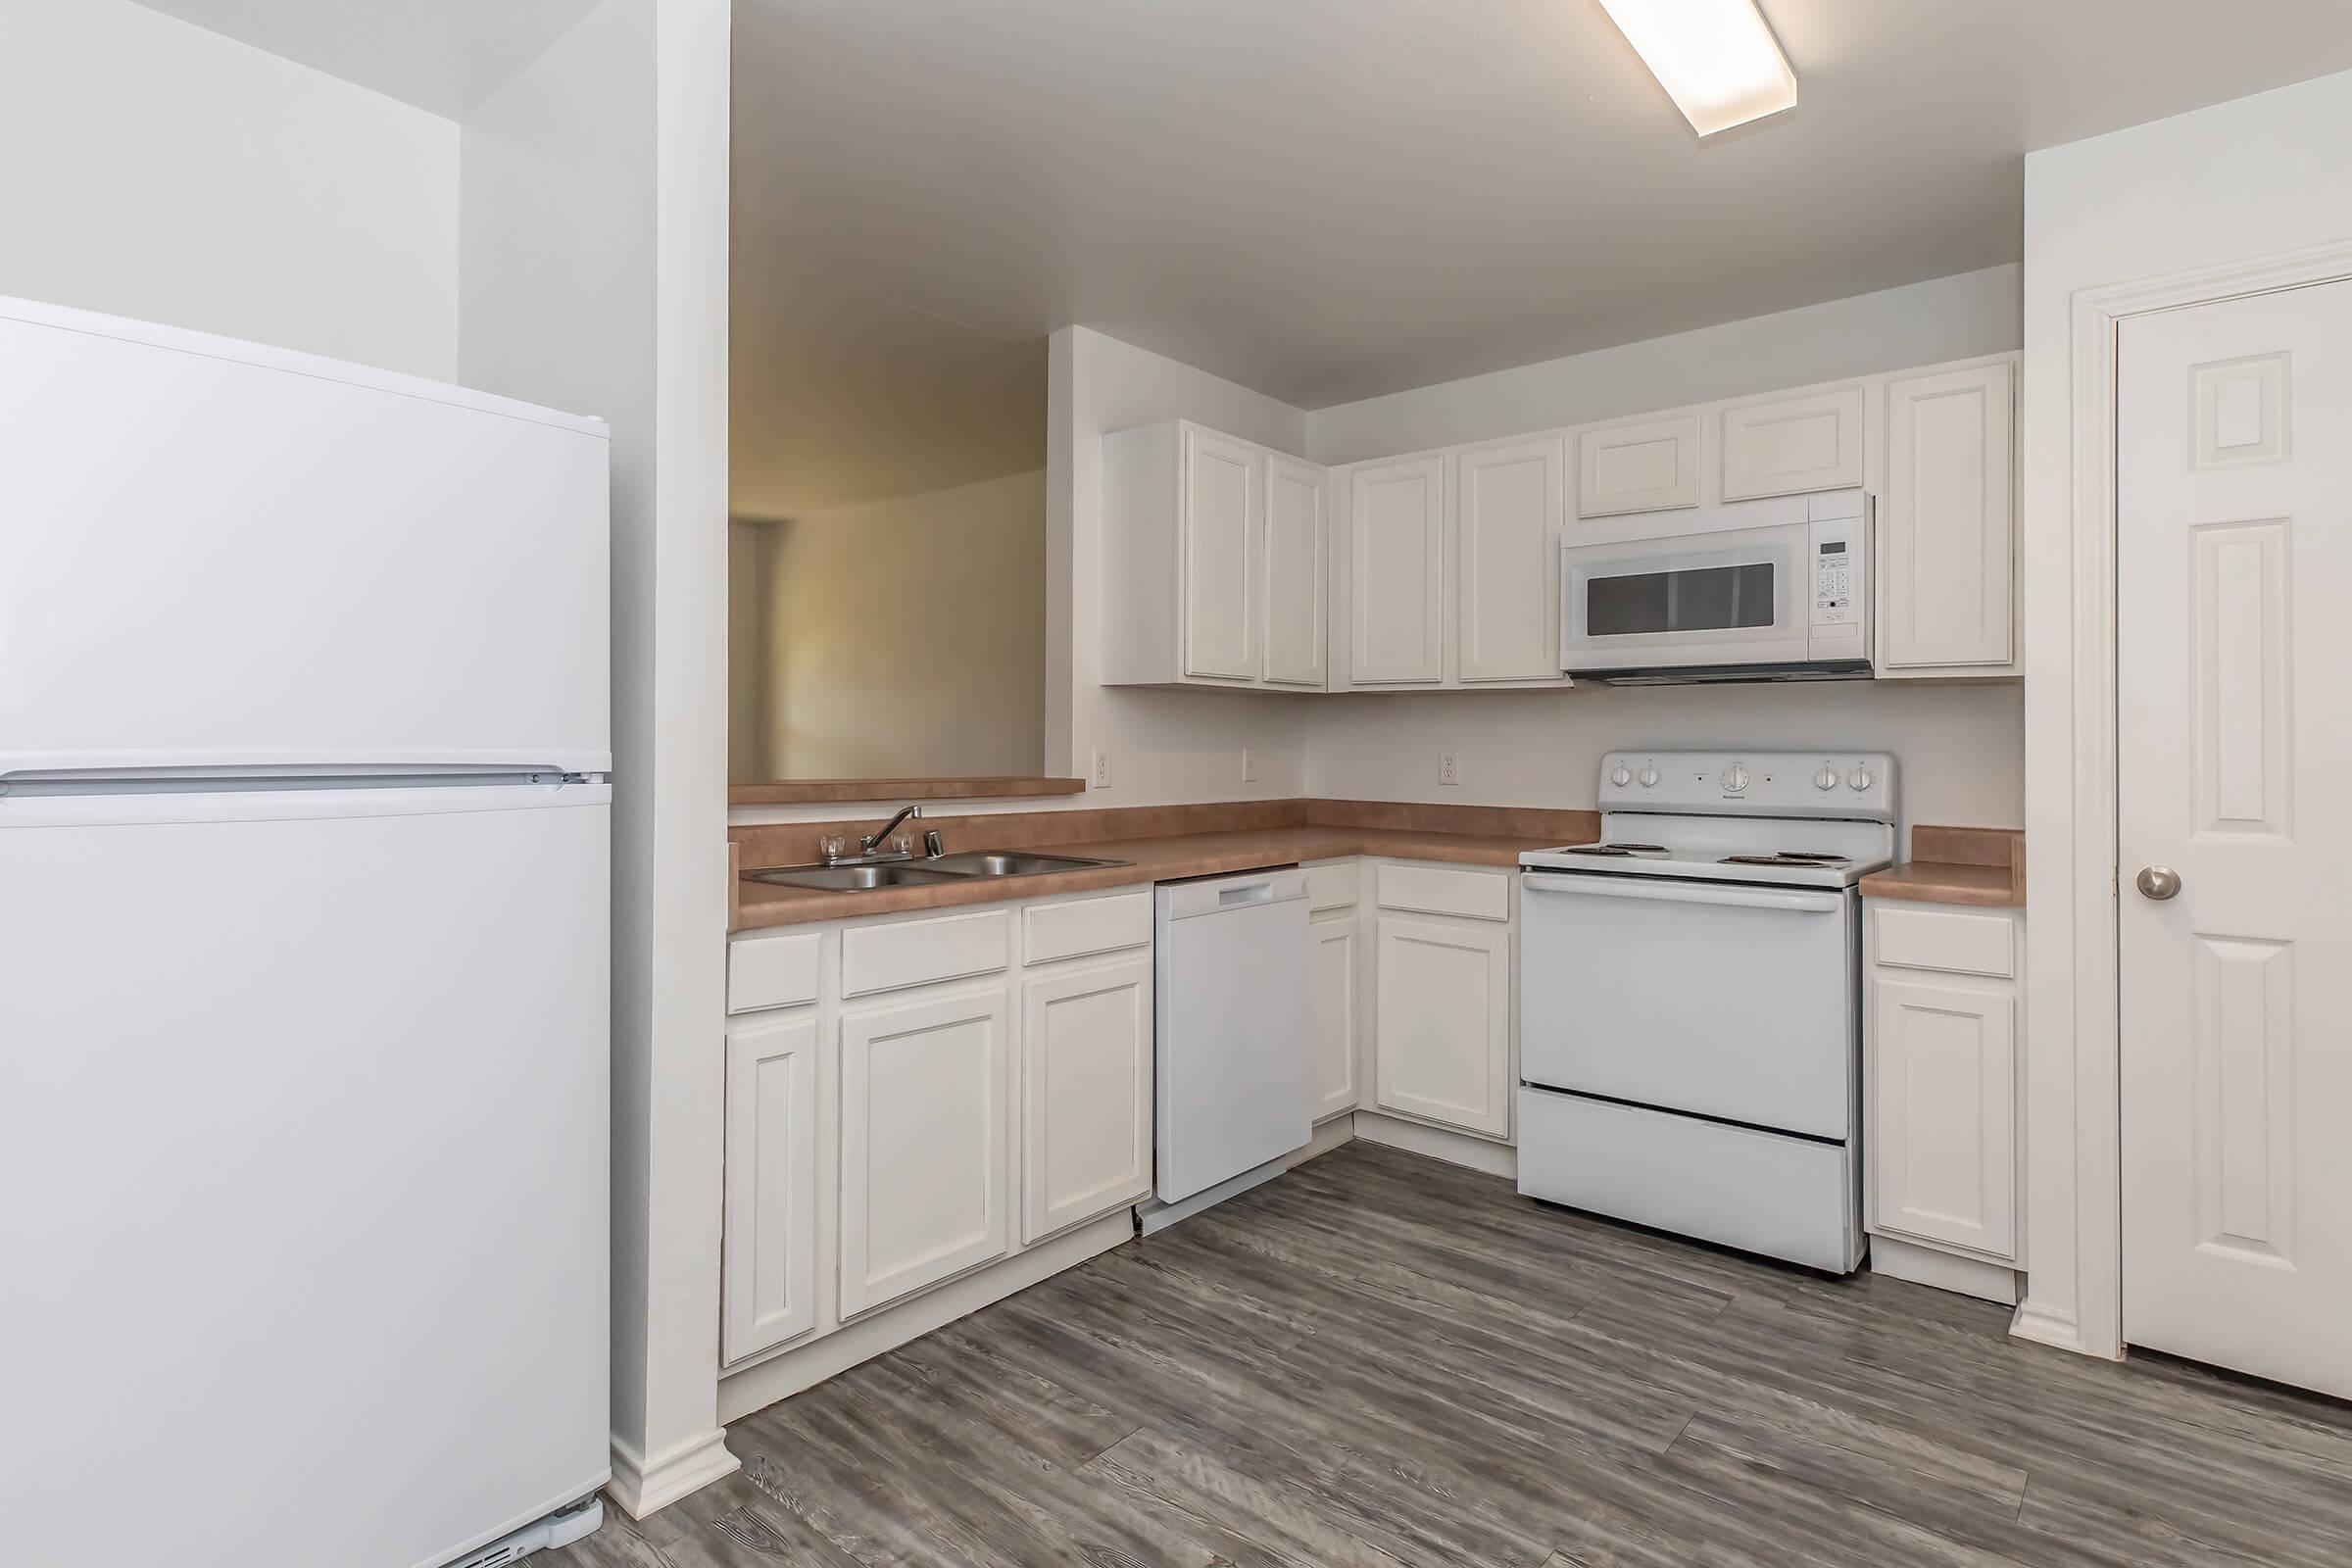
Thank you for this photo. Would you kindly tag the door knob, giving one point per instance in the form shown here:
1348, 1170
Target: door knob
2158, 881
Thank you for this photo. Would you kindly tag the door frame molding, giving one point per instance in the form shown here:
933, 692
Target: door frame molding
2083, 950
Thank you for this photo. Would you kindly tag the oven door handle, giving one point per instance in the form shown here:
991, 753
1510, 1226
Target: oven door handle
1660, 891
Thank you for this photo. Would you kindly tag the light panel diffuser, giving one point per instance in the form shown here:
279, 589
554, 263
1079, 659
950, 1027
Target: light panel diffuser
1716, 59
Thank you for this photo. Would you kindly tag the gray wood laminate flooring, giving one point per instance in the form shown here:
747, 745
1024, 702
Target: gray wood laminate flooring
1379, 1359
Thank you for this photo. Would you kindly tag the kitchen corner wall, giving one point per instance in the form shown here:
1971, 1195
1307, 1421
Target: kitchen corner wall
1165, 747
1961, 747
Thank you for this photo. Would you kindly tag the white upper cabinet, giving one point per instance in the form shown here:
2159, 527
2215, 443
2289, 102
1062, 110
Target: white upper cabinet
1647, 465
1787, 446
1214, 564
1295, 571
1223, 527
1396, 571
1947, 549
1510, 503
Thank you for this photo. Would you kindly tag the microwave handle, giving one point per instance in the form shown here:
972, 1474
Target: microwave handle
1660, 891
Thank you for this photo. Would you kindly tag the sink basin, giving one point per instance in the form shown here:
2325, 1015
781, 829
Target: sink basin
845, 878
1011, 863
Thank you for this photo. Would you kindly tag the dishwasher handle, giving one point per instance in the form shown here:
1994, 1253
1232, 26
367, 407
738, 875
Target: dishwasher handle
1184, 900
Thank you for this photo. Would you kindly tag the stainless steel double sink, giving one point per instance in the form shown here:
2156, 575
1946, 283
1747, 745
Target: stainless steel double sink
970, 865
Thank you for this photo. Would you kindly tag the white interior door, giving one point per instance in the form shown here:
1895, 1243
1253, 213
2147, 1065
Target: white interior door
2234, 566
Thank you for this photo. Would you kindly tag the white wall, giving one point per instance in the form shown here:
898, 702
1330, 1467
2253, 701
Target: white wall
1924, 324
159, 171
1166, 747
1961, 747
2239, 181
594, 207
901, 638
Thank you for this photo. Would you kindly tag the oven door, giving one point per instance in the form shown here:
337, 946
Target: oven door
1737, 1002
1736, 597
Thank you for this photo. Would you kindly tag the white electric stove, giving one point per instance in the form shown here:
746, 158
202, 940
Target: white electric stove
1690, 1000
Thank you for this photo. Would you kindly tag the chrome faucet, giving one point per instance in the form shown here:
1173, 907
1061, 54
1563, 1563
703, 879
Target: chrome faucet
870, 844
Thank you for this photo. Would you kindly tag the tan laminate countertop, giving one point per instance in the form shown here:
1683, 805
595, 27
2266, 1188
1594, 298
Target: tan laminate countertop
1149, 859
1946, 882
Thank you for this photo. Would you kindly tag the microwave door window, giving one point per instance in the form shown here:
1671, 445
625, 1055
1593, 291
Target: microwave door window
1694, 599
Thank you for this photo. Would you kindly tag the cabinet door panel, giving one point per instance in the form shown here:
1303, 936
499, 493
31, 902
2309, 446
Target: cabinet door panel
1443, 1044
1949, 530
768, 1267
922, 1144
1943, 1130
1396, 549
1650, 466
1509, 504
1334, 942
1224, 502
1791, 445
1086, 1071
1295, 572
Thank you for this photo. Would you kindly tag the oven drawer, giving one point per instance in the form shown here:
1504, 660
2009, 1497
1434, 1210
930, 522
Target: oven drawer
1732, 1001
1783, 1196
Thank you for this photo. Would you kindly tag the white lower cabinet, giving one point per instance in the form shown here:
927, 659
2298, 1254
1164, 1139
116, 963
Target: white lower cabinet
768, 1284
1086, 1077
1335, 945
923, 1143
1442, 1025
1941, 1111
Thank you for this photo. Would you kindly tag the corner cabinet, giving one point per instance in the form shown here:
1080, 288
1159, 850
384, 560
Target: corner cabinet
1940, 1113
1214, 562
1947, 523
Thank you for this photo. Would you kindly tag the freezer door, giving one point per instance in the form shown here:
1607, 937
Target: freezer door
1733, 1000
218, 555
305, 1142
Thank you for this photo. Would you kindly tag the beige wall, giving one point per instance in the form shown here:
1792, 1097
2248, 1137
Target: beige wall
899, 639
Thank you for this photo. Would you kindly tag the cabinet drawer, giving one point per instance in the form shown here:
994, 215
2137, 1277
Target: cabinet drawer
1945, 940
1333, 887
1081, 926
917, 952
772, 971
1435, 890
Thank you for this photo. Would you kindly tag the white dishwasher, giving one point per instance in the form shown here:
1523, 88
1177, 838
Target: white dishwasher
1232, 1058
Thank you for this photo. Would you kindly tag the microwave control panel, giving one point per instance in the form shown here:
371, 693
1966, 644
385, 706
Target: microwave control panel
1837, 573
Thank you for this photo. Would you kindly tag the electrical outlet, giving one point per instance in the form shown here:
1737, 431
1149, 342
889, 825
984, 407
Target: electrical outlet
1449, 769
1101, 768
1248, 764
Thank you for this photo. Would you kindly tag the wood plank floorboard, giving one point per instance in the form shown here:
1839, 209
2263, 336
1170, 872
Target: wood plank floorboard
1383, 1360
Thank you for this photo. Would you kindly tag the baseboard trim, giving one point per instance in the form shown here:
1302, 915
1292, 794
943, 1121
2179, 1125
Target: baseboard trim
1900, 1260
2052, 1326
1327, 1136
756, 1388
641, 1489
1455, 1149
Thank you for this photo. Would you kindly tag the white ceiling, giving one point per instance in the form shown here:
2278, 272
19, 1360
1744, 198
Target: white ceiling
446, 56
1330, 199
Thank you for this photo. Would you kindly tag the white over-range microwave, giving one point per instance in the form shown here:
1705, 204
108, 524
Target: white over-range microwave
1752, 590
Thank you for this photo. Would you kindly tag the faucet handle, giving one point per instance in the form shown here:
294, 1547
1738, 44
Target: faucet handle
933, 846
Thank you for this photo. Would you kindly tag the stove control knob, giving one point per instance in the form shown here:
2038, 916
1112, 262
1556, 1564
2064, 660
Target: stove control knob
1649, 777
1860, 778
1735, 778
1826, 779
1622, 776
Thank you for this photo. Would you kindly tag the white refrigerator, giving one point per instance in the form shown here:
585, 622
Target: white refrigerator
304, 962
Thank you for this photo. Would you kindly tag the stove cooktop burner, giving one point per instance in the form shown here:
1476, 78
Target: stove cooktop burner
1616, 852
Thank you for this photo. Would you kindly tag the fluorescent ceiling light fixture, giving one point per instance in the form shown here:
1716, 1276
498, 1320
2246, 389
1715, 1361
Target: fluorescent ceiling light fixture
1716, 59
